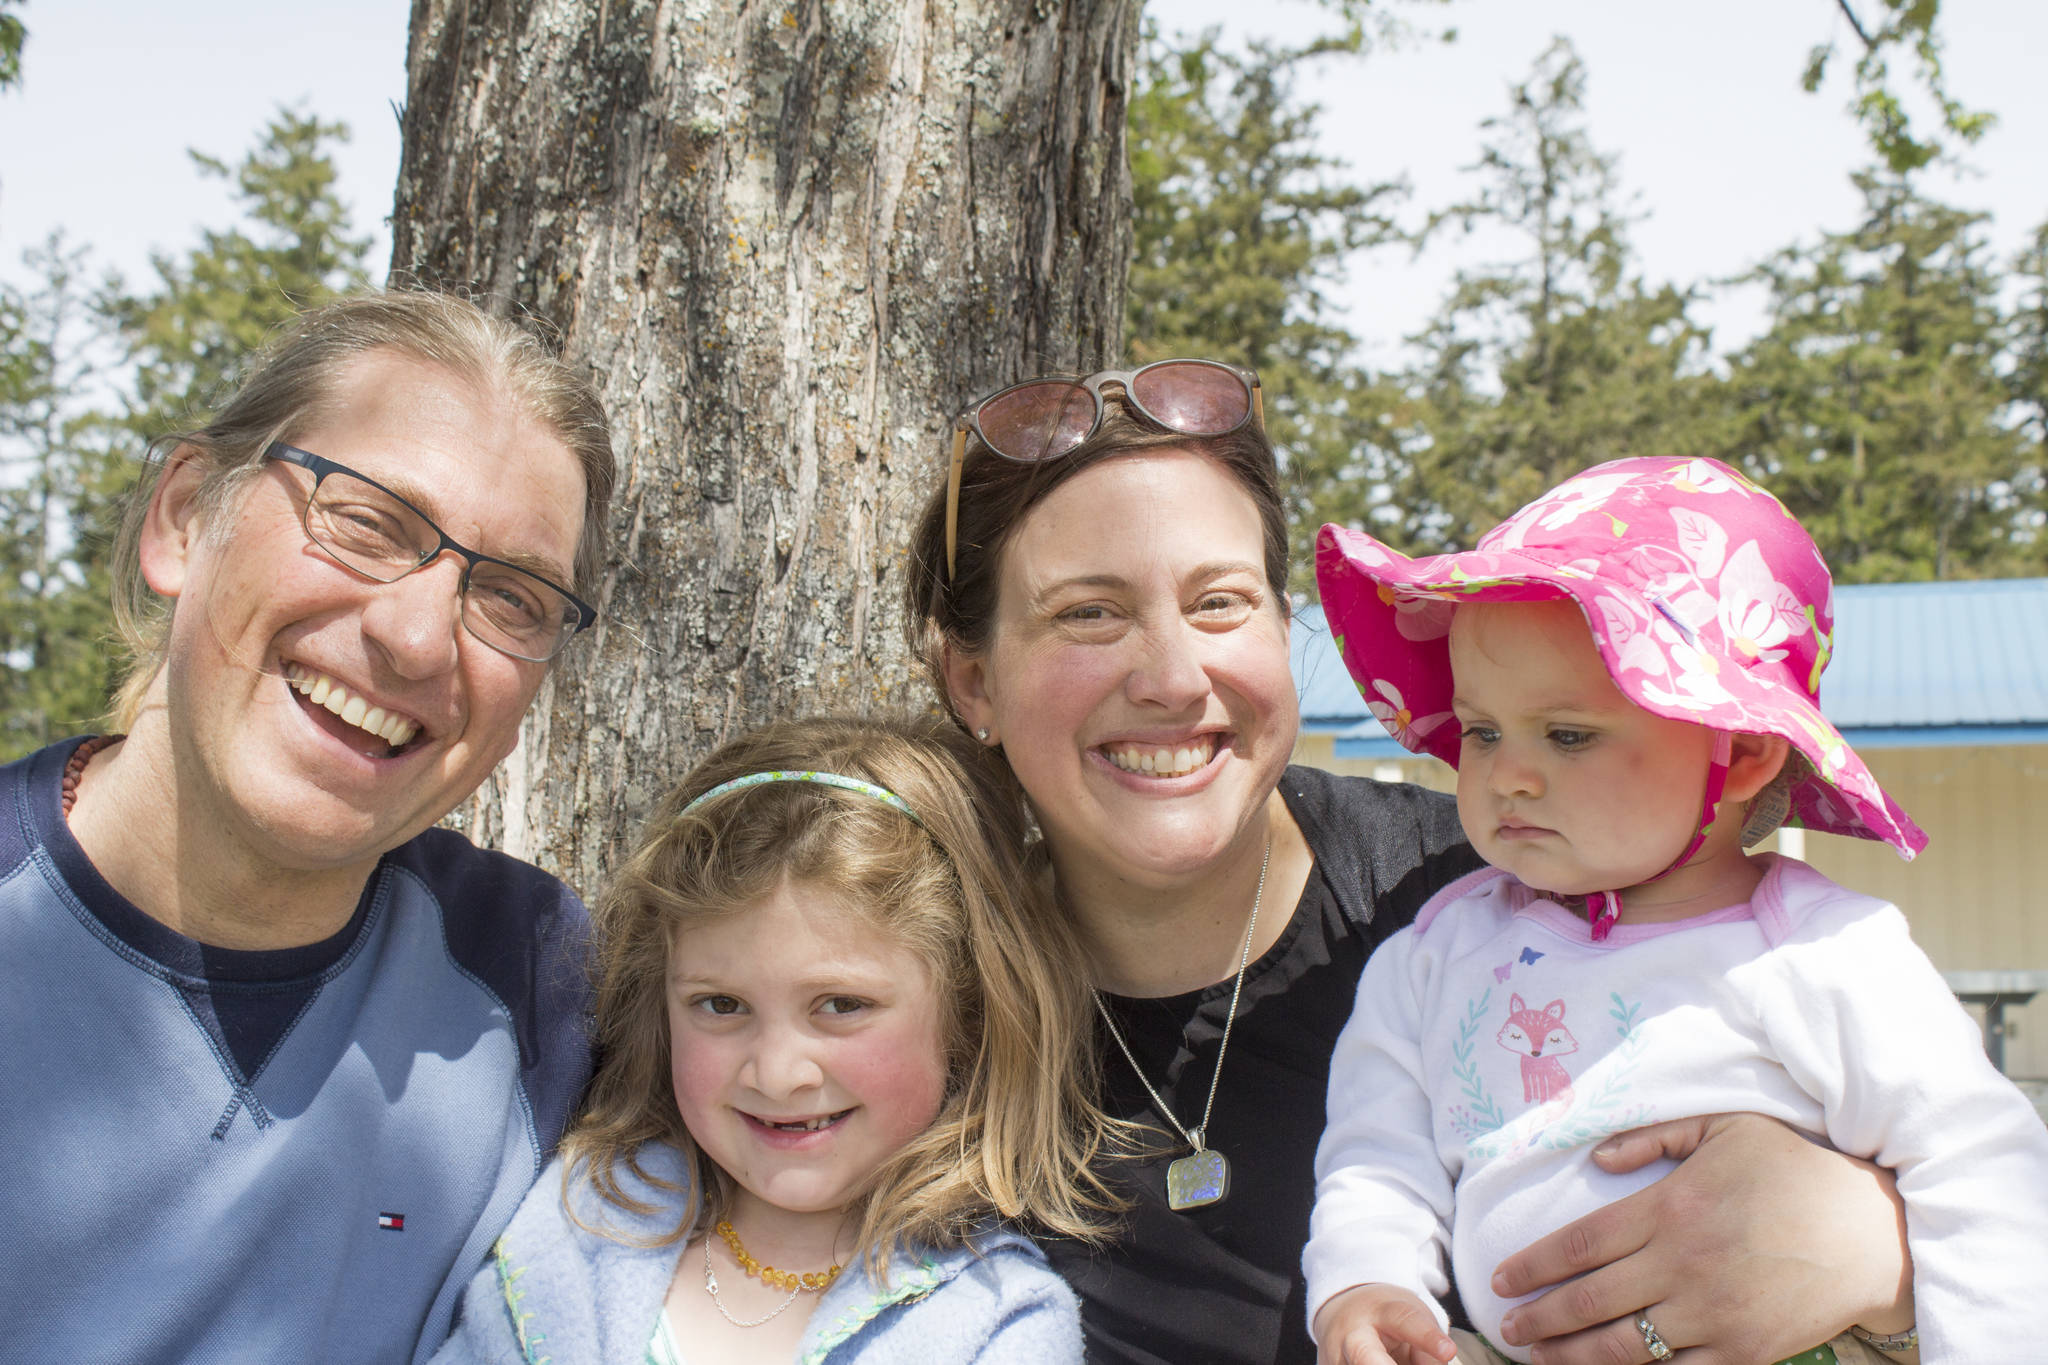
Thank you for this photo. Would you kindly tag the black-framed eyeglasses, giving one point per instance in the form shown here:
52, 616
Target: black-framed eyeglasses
372, 530
1044, 418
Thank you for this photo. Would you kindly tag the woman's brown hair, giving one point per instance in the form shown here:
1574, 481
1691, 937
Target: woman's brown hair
1018, 1131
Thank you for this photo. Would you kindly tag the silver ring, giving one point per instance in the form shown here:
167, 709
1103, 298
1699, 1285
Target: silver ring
1653, 1343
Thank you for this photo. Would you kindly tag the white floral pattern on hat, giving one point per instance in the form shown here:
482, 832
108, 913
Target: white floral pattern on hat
1708, 602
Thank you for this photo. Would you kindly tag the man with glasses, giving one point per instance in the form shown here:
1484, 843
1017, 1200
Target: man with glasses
281, 1057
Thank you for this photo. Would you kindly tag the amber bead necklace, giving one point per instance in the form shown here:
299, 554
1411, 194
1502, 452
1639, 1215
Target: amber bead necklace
767, 1274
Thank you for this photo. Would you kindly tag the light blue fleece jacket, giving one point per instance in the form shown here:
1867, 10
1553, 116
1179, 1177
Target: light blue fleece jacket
556, 1292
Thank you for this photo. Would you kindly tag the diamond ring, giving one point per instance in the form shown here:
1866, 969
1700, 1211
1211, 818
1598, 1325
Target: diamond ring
1651, 1341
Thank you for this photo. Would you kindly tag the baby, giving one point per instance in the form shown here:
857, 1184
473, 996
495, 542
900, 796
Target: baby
1625, 674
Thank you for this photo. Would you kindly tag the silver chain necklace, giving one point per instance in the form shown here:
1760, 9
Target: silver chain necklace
1203, 1175
711, 1288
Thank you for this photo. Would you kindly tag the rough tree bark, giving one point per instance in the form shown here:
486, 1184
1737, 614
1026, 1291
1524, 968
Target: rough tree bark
791, 240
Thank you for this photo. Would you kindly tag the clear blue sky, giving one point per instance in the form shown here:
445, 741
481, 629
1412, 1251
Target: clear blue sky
1728, 158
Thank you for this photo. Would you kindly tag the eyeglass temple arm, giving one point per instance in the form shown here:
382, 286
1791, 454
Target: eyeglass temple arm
953, 497
1259, 404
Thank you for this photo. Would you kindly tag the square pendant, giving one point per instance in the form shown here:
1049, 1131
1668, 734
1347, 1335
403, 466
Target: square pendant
1200, 1178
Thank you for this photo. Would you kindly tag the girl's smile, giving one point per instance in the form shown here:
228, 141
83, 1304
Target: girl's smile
796, 1135
805, 1048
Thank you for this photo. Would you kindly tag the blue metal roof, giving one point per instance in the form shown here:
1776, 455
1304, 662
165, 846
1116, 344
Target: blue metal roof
1914, 664
1939, 654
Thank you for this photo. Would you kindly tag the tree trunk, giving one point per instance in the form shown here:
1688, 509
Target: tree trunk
791, 240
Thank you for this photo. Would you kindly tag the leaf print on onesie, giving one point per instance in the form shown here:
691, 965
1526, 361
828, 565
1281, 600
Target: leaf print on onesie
1479, 1115
1540, 1037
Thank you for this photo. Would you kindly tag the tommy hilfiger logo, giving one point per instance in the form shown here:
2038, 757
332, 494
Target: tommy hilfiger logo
391, 1222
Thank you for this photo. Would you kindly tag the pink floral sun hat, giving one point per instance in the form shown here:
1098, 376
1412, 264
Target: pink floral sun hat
1708, 601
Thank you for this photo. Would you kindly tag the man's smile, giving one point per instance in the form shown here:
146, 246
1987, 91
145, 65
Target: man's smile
351, 708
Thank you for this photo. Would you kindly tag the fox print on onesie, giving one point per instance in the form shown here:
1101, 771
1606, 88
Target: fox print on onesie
1539, 1038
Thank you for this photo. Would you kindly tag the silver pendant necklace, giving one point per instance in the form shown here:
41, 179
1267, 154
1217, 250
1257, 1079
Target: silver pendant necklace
1203, 1175
711, 1288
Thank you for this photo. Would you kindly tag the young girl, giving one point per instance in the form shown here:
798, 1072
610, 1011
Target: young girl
839, 1037
1628, 686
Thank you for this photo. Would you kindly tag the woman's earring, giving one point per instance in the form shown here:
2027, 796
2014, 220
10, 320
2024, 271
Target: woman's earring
982, 734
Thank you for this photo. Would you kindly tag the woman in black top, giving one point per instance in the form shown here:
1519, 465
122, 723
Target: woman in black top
1107, 606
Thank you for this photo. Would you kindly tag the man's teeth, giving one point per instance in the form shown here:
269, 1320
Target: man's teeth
322, 690
1163, 762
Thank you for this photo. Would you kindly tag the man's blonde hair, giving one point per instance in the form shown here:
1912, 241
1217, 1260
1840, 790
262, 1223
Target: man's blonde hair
290, 385
1018, 1132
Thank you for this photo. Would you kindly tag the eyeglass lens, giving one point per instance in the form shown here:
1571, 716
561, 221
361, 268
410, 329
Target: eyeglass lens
1048, 418
1038, 421
382, 538
1196, 400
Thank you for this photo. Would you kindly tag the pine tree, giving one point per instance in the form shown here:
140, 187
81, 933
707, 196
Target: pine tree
1539, 367
66, 457
212, 307
60, 469
1875, 406
1241, 225
2027, 346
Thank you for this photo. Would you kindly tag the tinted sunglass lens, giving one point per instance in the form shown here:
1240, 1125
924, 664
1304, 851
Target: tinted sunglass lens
1037, 421
1191, 398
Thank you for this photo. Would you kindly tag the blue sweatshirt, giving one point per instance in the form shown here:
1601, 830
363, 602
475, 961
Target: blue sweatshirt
215, 1155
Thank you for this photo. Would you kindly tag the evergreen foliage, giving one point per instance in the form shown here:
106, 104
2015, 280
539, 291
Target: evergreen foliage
1897, 402
74, 420
1899, 25
60, 471
13, 37
209, 310
1557, 359
1875, 406
2027, 339
1241, 227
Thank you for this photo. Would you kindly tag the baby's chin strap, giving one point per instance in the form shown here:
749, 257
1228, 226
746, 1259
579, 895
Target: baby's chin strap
1603, 908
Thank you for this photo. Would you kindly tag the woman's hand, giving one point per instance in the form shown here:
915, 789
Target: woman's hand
1760, 1245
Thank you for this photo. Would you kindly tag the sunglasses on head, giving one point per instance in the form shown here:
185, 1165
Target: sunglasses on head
1043, 419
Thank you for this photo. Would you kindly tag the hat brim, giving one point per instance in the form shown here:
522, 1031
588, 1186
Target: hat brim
1389, 615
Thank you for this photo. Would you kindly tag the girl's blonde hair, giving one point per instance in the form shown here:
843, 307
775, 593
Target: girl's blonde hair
1018, 1132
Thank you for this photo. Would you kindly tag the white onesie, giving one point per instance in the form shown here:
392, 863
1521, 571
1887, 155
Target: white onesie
1494, 1044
